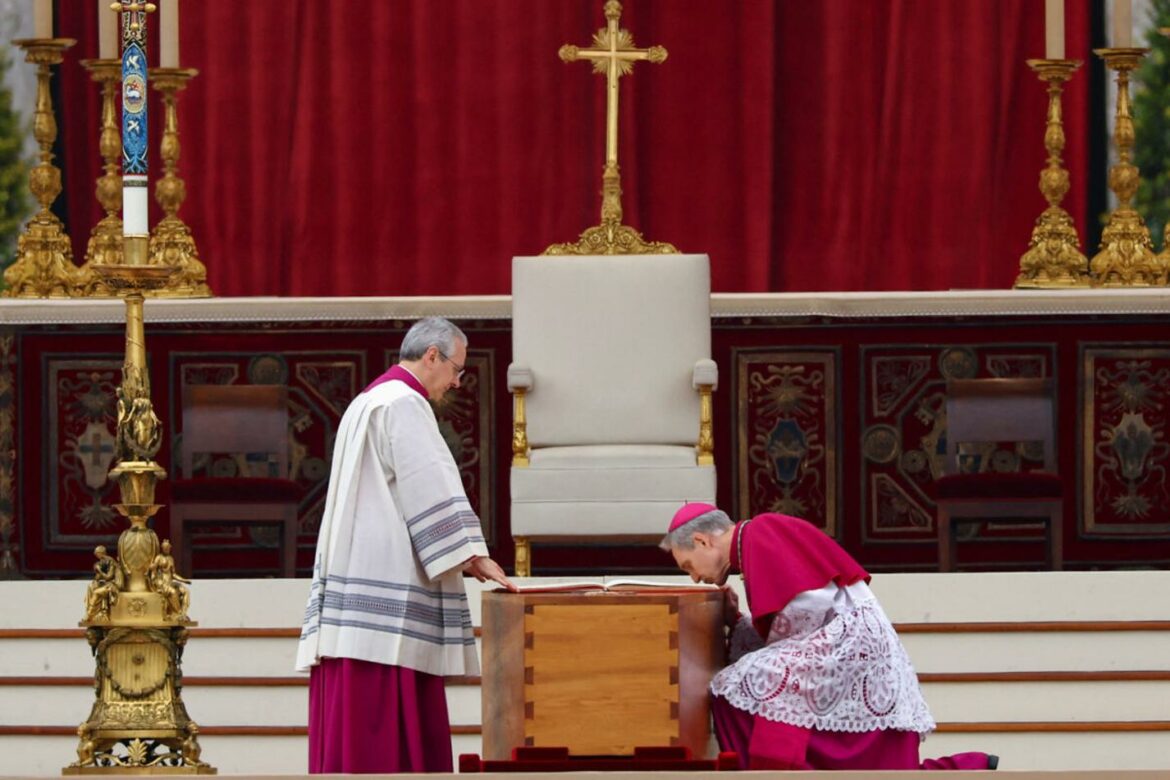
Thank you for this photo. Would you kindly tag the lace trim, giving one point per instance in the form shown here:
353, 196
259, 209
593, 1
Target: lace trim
849, 674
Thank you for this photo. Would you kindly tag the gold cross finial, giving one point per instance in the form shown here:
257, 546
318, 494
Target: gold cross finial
130, 6
613, 54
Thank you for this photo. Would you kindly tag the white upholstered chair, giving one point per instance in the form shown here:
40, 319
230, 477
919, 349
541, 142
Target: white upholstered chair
612, 378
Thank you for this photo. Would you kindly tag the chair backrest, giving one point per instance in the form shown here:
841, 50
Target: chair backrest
612, 343
1000, 410
234, 419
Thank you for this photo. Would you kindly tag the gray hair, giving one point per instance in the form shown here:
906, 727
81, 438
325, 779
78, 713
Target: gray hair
715, 522
430, 332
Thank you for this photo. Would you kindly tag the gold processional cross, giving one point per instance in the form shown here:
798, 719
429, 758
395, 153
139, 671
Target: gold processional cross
613, 54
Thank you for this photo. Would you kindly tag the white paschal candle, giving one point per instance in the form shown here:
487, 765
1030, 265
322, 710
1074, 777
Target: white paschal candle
135, 202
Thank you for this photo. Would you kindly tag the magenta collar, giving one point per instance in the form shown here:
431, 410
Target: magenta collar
397, 372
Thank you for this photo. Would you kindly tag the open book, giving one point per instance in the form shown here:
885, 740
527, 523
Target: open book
611, 585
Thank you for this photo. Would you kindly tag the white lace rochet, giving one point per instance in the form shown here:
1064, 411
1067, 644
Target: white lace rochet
832, 662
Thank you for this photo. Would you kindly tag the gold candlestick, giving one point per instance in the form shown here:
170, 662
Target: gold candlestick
1126, 257
136, 606
1054, 257
171, 242
44, 257
105, 239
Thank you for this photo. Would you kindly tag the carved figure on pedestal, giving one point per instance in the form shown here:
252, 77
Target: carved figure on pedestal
190, 748
85, 747
166, 582
108, 580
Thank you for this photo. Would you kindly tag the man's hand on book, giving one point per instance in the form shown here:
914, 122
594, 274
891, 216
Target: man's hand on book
484, 569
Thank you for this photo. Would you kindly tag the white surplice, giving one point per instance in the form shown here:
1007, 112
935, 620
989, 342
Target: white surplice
387, 577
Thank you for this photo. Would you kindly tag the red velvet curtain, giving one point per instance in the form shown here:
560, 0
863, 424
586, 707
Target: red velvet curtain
411, 147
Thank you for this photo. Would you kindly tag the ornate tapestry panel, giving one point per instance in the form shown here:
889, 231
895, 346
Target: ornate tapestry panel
80, 412
1125, 453
787, 438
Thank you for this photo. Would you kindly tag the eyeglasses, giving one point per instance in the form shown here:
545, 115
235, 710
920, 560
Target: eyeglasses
458, 368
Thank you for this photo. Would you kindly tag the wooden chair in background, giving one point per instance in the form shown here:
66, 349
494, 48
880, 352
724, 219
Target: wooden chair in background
997, 411
236, 419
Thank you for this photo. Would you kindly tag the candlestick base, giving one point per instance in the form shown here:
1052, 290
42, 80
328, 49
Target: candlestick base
172, 244
44, 261
1127, 255
1054, 258
104, 248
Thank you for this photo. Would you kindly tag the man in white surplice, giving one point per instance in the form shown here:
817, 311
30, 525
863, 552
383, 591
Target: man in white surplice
387, 614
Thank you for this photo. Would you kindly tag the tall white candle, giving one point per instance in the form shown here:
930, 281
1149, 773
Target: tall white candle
168, 32
1122, 24
1054, 29
135, 201
42, 18
108, 24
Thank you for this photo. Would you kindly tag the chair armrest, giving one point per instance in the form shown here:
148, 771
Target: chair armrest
519, 378
706, 374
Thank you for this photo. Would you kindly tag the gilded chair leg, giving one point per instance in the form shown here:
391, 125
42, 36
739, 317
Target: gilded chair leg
523, 557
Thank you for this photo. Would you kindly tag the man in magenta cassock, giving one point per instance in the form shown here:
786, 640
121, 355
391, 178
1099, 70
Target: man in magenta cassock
387, 616
819, 678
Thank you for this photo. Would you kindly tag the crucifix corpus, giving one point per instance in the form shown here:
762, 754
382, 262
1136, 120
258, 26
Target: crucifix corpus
613, 54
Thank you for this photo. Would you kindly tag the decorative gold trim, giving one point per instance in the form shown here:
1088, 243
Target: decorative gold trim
706, 444
613, 54
1127, 256
43, 267
9, 570
1054, 257
523, 564
519, 430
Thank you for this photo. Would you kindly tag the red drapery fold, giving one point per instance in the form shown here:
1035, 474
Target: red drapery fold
412, 147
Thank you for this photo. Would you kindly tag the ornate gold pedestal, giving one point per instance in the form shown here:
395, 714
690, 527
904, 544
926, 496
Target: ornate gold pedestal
1054, 257
1127, 257
136, 605
43, 267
